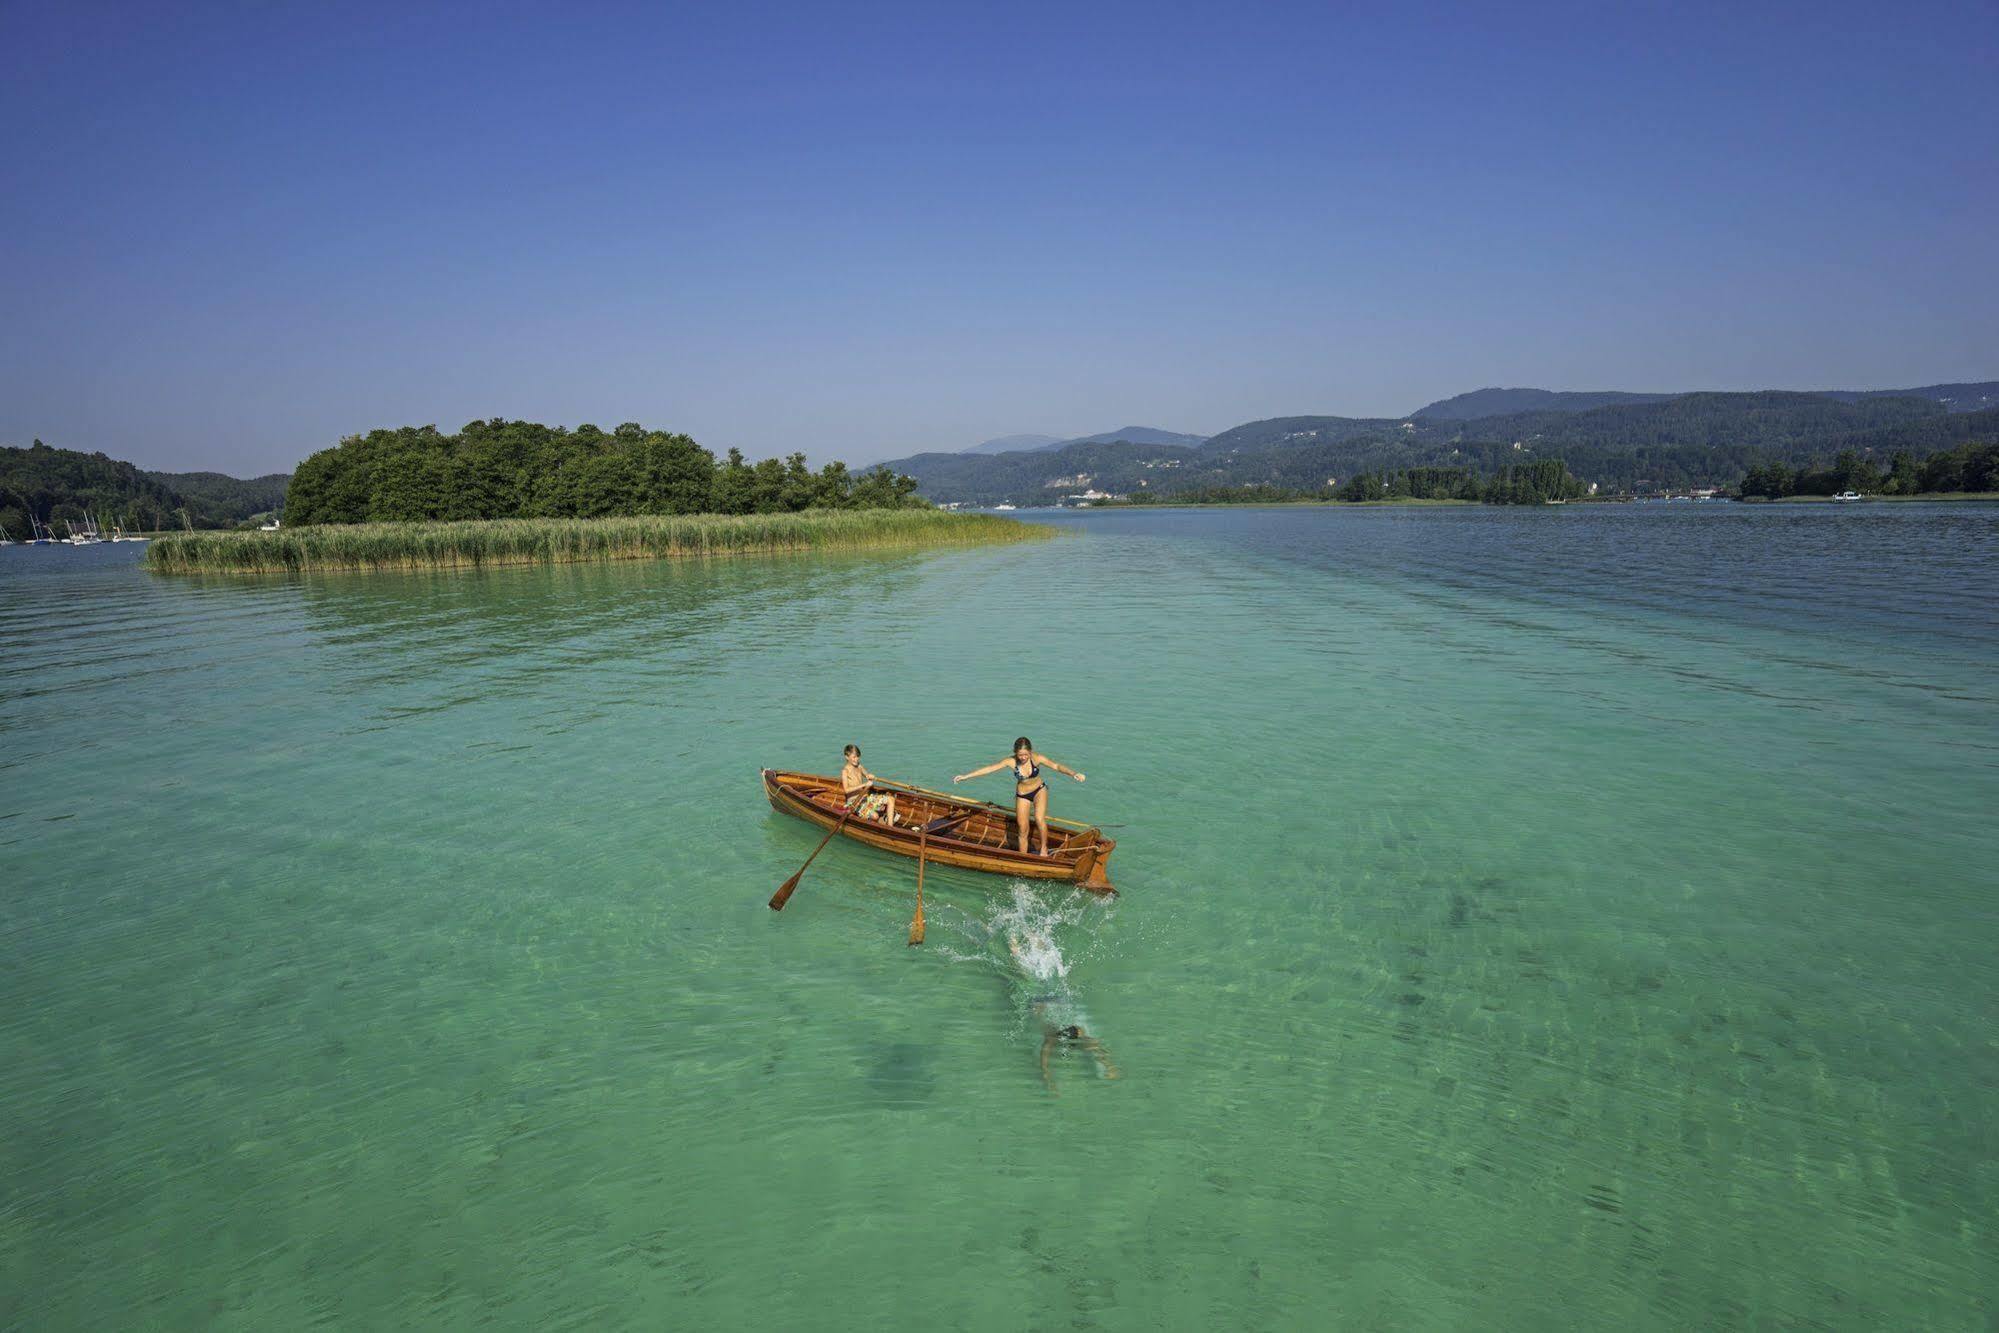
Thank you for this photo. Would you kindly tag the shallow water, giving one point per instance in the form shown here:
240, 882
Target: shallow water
1549, 917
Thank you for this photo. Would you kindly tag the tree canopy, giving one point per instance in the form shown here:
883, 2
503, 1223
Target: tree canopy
522, 469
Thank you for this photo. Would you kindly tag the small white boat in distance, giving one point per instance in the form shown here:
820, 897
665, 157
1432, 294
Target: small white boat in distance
271, 526
997, 508
1846, 497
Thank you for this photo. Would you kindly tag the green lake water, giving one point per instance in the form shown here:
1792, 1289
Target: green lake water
1576, 917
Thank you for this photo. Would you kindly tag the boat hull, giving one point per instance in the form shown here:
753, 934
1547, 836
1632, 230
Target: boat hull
982, 837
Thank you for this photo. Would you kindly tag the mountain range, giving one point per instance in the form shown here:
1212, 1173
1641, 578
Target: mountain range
1017, 444
1498, 402
1622, 441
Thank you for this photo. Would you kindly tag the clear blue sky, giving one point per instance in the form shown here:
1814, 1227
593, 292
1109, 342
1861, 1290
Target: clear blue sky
233, 233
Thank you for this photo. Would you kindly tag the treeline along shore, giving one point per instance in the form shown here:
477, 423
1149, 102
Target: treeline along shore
1539, 482
1971, 469
533, 541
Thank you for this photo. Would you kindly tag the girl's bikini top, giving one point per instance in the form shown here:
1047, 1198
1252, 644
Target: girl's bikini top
1033, 771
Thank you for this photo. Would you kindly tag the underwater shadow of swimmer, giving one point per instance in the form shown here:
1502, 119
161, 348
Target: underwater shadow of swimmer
1034, 951
1073, 1037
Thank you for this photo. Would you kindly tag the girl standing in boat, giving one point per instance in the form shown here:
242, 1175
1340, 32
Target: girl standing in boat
876, 805
1030, 791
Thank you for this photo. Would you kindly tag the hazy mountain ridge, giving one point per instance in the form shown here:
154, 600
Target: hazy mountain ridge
1015, 444
1299, 432
1974, 397
1503, 402
1483, 403
1012, 444
1141, 435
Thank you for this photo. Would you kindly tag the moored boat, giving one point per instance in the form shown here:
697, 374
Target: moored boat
974, 835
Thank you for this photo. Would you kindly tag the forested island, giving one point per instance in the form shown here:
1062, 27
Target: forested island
489, 470
504, 492
521, 469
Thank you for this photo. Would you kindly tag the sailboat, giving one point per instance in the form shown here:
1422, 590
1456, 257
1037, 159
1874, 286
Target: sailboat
43, 536
85, 535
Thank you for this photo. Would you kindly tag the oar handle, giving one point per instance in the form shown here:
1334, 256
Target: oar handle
1076, 825
908, 790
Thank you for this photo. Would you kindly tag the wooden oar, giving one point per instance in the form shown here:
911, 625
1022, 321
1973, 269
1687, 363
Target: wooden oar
1074, 825
922, 848
784, 890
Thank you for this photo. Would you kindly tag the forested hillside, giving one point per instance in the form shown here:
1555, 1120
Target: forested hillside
60, 485
521, 469
227, 499
1702, 439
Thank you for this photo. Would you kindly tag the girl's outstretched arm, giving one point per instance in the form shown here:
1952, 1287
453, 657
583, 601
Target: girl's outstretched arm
1059, 768
993, 767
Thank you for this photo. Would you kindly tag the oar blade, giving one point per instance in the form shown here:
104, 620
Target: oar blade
784, 891
916, 925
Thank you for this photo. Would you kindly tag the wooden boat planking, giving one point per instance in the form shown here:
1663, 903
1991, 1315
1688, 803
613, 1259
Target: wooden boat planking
987, 839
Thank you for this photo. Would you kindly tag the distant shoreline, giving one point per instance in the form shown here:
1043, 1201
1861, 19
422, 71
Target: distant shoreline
1278, 504
1945, 496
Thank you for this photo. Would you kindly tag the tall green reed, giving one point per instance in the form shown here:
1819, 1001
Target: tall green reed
557, 541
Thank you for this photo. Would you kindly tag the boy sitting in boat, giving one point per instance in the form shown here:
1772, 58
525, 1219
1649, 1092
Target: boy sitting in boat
855, 781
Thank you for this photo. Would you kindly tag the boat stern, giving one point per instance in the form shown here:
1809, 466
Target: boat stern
1092, 867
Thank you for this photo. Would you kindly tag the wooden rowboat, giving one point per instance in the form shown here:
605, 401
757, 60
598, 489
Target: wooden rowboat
976, 835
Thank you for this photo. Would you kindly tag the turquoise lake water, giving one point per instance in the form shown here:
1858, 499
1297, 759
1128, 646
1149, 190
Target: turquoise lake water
1553, 918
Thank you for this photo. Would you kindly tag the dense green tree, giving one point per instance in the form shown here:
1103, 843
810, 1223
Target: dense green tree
767, 487
678, 475
1363, 487
1903, 478
833, 488
880, 487
735, 490
798, 488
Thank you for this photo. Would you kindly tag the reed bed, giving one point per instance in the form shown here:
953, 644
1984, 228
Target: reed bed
527, 541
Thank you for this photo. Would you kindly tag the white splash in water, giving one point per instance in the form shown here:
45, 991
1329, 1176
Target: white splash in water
1028, 925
